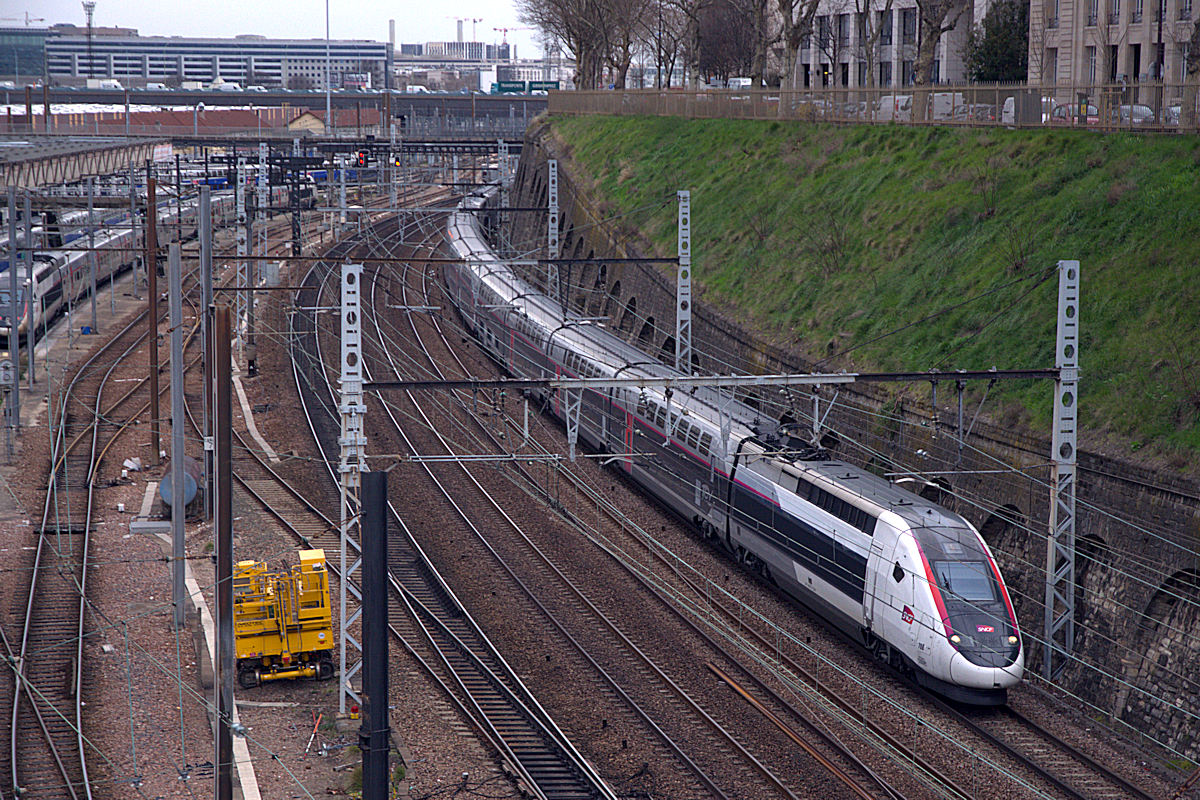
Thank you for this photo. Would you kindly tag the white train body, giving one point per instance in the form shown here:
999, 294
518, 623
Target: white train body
912, 580
62, 268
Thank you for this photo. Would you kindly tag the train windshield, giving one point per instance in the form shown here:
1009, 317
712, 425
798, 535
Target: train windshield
968, 580
6, 302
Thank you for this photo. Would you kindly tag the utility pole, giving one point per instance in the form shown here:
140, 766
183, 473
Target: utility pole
683, 286
133, 226
91, 188
223, 529
206, 297
28, 259
1060, 544
14, 341
374, 732
552, 232
152, 296
353, 457
178, 512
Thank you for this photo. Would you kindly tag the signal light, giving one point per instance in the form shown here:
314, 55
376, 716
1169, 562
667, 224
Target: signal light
362, 159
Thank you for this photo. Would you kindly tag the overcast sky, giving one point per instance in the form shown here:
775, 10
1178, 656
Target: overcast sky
416, 21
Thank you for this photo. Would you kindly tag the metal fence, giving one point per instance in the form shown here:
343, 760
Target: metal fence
425, 128
1139, 106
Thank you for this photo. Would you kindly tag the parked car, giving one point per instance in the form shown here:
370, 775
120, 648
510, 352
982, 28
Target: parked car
1065, 114
1135, 114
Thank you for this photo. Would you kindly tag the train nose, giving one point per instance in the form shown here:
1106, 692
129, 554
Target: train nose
964, 673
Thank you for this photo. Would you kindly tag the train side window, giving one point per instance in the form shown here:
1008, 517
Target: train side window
706, 442
693, 437
898, 573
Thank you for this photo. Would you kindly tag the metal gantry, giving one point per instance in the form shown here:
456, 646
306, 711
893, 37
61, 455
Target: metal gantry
352, 442
683, 286
1060, 544
243, 249
552, 251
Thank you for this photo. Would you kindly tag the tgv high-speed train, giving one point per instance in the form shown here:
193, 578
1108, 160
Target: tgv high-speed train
61, 271
911, 580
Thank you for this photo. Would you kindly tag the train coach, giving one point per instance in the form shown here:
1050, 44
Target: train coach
911, 580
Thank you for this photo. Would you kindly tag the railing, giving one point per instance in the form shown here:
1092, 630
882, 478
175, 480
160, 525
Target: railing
1149, 106
440, 127
1092, 20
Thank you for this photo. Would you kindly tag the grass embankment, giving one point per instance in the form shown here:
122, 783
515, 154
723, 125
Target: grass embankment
831, 237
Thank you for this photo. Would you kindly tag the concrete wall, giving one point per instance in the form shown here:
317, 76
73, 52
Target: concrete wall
1138, 576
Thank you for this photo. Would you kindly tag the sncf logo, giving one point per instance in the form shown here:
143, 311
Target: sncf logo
985, 629
907, 615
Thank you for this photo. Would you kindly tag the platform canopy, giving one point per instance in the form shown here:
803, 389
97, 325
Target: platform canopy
28, 162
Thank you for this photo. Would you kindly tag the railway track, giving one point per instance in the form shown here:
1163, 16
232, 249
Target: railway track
47, 746
1065, 770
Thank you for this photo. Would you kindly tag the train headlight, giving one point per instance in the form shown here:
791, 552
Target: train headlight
955, 638
1012, 640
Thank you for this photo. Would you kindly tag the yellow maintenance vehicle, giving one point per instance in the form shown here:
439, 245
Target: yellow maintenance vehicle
281, 621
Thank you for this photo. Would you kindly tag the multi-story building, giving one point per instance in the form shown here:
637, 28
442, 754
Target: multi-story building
1085, 43
845, 31
287, 63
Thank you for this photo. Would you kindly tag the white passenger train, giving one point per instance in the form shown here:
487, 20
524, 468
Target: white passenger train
911, 580
61, 271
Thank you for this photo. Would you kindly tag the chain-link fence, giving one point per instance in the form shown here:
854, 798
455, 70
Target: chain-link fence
1150, 106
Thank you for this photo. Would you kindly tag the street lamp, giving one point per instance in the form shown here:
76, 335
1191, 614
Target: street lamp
328, 117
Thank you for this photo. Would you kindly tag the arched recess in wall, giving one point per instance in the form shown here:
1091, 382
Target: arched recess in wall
646, 334
1164, 661
667, 353
611, 302
936, 490
595, 296
629, 318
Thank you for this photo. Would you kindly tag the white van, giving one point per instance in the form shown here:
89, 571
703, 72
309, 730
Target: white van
895, 107
740, 83
155, 87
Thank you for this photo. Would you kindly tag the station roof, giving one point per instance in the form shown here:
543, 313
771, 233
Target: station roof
30, 161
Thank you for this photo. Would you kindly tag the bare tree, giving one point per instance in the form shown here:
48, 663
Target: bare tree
579, 25
833, 35
1191, 85
728, 41
797, 22
935, 17
870, 30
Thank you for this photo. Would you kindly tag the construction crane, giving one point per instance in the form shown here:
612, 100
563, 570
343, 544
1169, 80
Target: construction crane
28, 19
471, 20
504, 32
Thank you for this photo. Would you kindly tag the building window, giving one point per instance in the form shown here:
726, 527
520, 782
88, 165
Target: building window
1185, 9
1051, 74
1183, 60
1112, 63
862, 73
906, 73
1093, 12
1090, 55
908, 23
885, 28
860, 27
1114, 12
1137, 10
885, 73
843, 28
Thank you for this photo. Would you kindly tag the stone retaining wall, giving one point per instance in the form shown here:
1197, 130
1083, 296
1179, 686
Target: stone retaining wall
1138, 573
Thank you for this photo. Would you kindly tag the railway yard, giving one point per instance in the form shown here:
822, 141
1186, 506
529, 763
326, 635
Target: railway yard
554, 631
